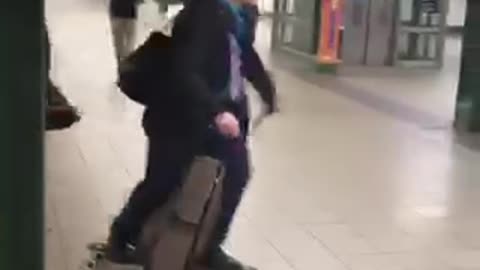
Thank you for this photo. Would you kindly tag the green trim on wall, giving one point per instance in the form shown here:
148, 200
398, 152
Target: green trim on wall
327, 68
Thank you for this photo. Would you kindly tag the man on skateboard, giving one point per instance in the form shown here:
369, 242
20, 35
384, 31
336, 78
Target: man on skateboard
206, 114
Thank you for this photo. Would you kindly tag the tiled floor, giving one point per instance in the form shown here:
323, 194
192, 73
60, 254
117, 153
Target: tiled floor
422, 90
338, 184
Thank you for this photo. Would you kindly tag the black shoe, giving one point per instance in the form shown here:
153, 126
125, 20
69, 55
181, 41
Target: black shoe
59, 113
54, 96
61, 117
221, 260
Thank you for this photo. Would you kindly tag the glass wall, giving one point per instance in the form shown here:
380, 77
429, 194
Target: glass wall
421, 27
296, 25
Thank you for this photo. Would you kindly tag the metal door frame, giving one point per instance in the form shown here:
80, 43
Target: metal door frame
280, 17
440, 36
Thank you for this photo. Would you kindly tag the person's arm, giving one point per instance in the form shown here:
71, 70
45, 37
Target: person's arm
251, 15
197, 28
195, 32
258, 76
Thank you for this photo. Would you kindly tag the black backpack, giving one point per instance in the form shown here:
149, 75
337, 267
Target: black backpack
147, 70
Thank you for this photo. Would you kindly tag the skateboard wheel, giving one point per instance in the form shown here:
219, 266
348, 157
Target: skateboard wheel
88, 264
99, 256
91, 265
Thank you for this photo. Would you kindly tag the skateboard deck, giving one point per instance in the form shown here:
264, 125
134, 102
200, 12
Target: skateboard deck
98, 261
176, 233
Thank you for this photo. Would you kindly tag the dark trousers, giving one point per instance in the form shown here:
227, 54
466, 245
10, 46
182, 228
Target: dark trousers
46, 44
235, 157
50, 86
167, 165
167, 162
252, 19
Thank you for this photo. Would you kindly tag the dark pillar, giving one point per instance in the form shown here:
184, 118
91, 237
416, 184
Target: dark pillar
467, 115
22, 85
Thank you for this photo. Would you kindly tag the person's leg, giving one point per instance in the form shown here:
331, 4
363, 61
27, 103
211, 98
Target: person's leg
54, 96
166, 165
130, 35
162, 7
118, 28
252, 15
235, 157
50, 85
46, 42
59, 113
124, 35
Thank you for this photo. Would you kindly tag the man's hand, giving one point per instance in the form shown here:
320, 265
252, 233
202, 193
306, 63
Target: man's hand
227, 124
269, 109
271, 105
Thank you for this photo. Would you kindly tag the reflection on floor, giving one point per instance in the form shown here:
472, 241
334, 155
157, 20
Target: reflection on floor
338, 184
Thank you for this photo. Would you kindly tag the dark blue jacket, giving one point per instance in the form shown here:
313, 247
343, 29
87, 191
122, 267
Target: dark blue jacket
200, 73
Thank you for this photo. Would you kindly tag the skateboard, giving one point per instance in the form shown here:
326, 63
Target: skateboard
181, 228
98, 261
96, 255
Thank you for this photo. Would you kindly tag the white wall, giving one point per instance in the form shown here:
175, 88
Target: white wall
265, 5
456, 13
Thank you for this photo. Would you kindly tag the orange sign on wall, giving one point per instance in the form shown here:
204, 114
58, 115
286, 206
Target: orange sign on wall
330, 30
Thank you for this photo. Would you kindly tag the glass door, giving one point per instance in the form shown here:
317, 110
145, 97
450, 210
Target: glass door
295, 25
421, 33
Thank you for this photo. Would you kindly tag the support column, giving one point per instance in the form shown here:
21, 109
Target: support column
22, 86
467, 114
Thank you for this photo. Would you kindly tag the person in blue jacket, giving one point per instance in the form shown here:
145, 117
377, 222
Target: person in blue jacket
206, 113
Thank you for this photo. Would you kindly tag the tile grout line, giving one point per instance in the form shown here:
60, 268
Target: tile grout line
284, 258
87, 166
319, 241
118, 158
378, 103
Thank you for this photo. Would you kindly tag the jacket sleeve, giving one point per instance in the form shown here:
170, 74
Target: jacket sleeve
256, 74
195, 32
251, 14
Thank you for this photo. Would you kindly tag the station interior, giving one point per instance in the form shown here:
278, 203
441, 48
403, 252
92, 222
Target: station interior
361, 169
